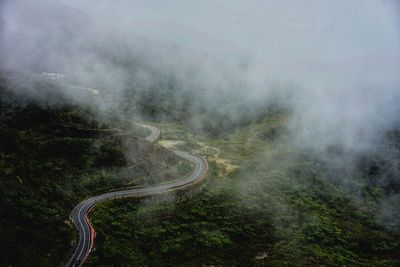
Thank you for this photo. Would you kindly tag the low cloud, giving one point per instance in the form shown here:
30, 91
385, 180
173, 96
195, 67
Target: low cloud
335, 64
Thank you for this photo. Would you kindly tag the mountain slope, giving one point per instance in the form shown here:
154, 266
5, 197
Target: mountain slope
267, 204
53, 154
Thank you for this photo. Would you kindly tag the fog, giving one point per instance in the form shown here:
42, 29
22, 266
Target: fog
339, 59
334, 64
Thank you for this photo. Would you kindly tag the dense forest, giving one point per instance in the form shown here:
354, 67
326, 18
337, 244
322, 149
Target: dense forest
54, 153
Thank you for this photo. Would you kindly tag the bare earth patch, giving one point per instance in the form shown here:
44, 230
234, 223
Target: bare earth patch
214, 154
170, 143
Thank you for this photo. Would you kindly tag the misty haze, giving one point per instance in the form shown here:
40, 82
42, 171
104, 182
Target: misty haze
199, 133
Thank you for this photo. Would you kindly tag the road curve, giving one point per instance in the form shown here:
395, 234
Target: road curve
80, 213
154, 132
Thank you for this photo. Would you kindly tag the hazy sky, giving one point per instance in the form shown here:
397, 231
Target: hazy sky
285, 29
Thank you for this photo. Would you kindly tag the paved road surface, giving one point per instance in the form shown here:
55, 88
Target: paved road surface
80, 213
154, 132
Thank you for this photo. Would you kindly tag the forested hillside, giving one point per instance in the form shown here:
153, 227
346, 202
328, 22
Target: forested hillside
54, 153
267, 204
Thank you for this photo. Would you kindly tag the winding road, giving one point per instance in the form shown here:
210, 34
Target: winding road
80, 213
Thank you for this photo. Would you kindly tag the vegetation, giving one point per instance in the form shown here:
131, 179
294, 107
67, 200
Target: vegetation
266, 205
266, 202
53, 154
